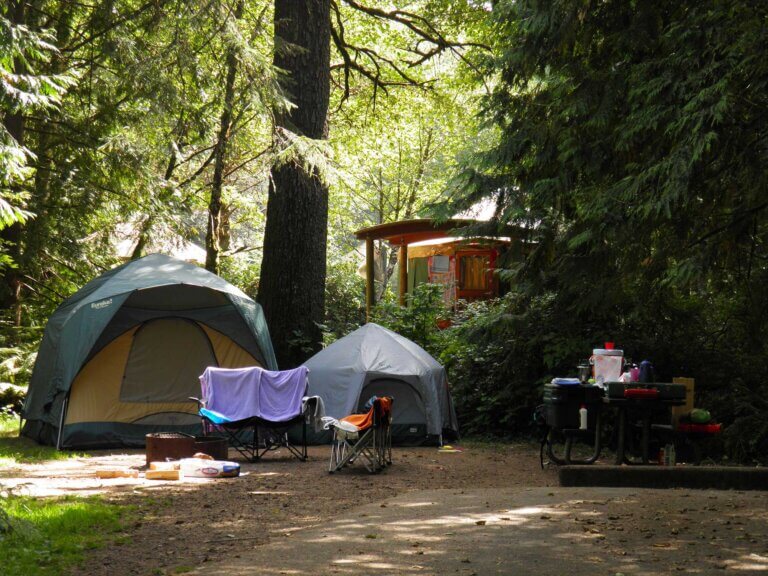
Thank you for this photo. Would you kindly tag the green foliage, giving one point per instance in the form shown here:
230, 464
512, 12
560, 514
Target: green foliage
50, 536
344, 300
16, 363
418, 321
624, 137
11, 398
498, 354
15, 450
22, 90
243, 272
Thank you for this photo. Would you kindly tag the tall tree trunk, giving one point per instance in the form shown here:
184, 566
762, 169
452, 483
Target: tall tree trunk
292, 283
213, 236
11, 235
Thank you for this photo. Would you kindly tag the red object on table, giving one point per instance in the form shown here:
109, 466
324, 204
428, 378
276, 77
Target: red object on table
609, 345
641, 393
700, 428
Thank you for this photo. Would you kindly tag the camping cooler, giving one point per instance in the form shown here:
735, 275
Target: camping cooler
563, 404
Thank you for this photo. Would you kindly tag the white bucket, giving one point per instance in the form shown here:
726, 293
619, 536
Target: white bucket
607, 365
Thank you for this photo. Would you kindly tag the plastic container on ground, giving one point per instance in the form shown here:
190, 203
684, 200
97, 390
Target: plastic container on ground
201, 468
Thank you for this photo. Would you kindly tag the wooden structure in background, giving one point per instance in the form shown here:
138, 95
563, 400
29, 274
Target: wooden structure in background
466, 253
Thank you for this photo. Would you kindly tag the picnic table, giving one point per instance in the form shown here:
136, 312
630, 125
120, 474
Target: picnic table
635, 405
642, 407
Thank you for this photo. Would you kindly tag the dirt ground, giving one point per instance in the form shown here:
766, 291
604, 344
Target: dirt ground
280, 508
176, 526
552, 531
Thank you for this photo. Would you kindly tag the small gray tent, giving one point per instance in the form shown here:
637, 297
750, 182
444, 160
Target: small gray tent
120, 357
375, 361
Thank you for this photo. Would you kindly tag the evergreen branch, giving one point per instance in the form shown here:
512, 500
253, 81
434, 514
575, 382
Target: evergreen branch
119, 22
247, 161
741, 216
201, 168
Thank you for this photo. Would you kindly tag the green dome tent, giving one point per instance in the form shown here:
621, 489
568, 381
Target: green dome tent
120, 357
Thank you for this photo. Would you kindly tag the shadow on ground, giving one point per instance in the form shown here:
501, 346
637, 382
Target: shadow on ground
541, 531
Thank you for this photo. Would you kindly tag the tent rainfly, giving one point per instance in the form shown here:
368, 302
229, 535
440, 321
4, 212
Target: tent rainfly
120, 358
375, 361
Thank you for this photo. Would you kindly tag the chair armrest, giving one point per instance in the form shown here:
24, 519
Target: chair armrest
200, 401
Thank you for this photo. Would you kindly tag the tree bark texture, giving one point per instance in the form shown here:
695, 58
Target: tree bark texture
292, 283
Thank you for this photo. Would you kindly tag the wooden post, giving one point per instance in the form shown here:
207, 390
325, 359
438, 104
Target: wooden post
402, 264
678, 411
370, 285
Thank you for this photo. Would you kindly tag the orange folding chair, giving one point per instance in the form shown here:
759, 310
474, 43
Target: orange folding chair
367, 437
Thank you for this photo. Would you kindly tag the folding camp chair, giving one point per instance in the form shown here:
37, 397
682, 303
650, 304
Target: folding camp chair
254, 437
242, 405
367, 437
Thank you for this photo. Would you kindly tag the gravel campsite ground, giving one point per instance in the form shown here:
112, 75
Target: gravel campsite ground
277, 506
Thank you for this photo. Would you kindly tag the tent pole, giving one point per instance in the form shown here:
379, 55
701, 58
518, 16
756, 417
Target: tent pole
61, 422
402, 264
370, 285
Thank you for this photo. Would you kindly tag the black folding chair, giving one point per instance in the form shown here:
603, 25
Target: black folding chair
254, 437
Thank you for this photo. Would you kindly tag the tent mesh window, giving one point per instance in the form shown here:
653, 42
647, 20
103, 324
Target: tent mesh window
165, 362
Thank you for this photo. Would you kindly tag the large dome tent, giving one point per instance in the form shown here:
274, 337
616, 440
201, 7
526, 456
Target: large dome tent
375, 361
120, 357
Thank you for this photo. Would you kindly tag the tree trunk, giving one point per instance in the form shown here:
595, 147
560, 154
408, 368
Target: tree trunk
213, 236
292, 283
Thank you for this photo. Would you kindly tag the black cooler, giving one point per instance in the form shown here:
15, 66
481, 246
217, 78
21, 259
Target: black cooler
563, 404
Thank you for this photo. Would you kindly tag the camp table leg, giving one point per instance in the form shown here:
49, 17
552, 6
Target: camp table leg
646, 435
622, 432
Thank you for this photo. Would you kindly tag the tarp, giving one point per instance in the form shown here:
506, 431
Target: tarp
84, 323
339, 373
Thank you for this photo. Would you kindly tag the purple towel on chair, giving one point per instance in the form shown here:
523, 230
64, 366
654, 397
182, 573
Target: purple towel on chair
240, 393
281, 393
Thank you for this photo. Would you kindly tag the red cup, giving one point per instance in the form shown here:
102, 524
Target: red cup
609, 345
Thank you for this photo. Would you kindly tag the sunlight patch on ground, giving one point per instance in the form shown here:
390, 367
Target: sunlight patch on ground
528, 511
513, 517
368, 561
269, 493
750, 562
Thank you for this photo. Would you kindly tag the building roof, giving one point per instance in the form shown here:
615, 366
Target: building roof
421, 229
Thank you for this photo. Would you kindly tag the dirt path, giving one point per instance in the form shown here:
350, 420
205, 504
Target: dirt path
178, 526
274, 515
526, 532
